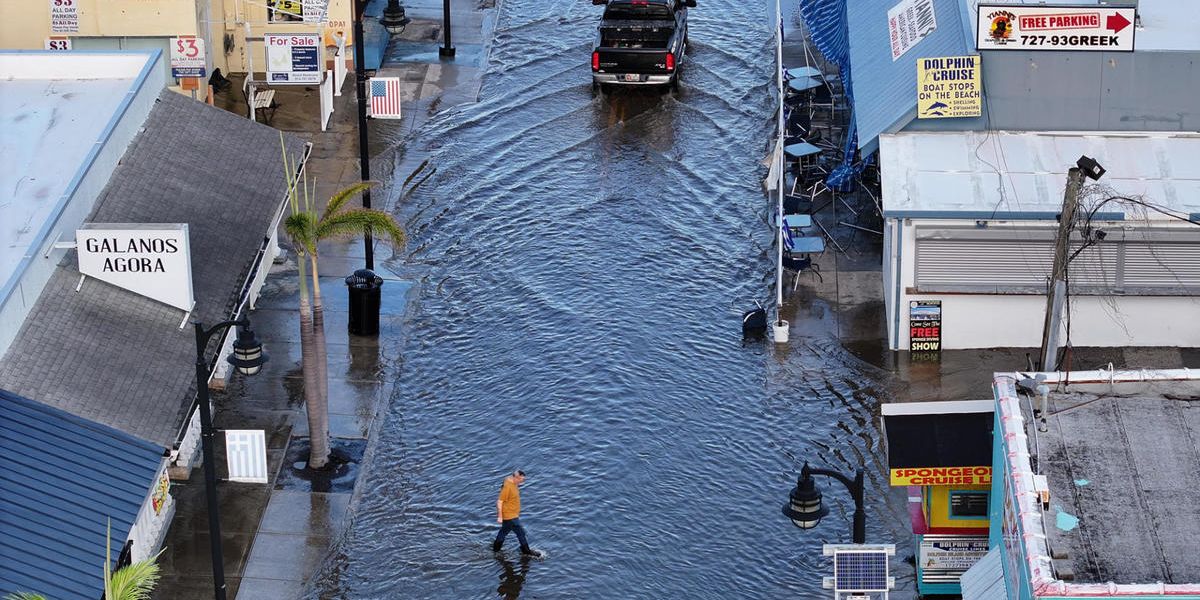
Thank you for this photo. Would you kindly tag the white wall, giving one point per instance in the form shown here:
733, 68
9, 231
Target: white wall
150, 528
1015, 321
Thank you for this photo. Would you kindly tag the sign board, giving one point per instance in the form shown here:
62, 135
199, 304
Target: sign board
1027, 27
925, 326
153, 260
949, 87
314, 11
64, 16
187, 57
162, 490
908, 23
980, 475
246, 455
293, 58
951, 555
59, 43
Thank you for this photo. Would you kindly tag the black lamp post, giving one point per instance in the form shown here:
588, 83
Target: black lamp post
364, 160
805, 509
447, 49
394, 20
248, 358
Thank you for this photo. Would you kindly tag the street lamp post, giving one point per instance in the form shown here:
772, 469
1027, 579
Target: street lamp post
804, 505
248, 358
447, 49
364, 161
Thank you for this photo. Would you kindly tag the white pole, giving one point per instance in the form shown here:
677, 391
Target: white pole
781, 326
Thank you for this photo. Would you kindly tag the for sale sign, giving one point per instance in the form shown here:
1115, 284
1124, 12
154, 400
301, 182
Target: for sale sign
925, 325
187, 57
1024, 27
293, 58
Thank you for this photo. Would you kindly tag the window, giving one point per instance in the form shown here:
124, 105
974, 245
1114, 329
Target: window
968, 504
622, 12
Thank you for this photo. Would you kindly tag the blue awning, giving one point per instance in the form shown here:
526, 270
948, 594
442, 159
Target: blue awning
62, 478
885, 90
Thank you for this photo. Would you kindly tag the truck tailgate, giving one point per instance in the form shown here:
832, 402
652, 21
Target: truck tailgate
632, 60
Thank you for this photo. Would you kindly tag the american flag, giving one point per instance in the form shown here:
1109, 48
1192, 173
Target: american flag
385, 97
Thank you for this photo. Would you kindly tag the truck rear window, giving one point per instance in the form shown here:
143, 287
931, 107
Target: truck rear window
638, 12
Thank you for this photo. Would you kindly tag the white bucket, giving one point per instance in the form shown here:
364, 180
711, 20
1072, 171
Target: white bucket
780, 331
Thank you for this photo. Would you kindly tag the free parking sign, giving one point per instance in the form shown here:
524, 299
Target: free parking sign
293, 58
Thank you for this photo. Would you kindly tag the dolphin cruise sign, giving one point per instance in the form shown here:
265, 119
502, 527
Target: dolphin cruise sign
151, 259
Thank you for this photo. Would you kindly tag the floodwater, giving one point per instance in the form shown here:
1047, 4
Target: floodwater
582, 263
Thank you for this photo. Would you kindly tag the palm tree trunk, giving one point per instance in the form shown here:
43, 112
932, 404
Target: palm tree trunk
314, 405
322, 356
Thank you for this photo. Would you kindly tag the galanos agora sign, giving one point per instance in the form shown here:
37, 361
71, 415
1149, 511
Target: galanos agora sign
153, 260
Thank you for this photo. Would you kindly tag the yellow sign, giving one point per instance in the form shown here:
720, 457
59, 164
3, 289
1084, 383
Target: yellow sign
159, 498
949, 87
942, 476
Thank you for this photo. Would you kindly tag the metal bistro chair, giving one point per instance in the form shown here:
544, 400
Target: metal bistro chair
802, 246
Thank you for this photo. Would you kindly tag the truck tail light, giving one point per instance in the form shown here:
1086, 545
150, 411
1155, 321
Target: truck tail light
595, 60
670, 61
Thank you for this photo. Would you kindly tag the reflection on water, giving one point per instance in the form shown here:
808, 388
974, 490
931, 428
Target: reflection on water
583, 261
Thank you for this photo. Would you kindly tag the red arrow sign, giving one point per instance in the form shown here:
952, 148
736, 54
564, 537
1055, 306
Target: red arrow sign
1116, 22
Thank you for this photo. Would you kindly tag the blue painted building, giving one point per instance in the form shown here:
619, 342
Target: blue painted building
63, 479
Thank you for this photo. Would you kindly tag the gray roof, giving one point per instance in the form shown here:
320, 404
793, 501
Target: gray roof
112, 356
63, 479
1127, 467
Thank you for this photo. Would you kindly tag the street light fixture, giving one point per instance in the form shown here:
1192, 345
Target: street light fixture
805, 508
394, 20
248, 357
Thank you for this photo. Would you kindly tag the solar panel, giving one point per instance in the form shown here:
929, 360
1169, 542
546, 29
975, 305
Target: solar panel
860, 571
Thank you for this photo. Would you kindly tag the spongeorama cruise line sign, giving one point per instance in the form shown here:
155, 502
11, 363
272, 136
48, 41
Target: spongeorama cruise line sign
150, 259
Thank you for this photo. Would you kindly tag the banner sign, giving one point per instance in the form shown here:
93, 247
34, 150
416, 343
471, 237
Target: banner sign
293, 58
951, 556
187, 57
925, 326
908, 23
58, 43
64, 16
153, 260
980, 475
949, 87
1026, 27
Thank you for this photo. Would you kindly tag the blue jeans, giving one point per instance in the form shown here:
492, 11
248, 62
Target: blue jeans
512, 525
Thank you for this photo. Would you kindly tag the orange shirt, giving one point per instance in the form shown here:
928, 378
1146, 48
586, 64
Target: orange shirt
511, 497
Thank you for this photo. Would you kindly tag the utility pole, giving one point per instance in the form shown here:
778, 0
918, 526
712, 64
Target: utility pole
1058, 280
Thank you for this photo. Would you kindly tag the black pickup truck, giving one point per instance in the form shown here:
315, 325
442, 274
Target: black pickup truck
640, 42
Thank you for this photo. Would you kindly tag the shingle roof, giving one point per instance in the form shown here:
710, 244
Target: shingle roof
112, 356
61, 479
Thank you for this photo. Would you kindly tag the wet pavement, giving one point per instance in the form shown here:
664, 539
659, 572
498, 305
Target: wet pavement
582, 263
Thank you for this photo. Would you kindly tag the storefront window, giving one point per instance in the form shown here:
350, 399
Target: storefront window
968, 504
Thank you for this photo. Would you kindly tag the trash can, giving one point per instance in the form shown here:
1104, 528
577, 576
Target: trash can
365, 289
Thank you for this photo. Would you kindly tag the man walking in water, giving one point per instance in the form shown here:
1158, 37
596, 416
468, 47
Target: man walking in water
508, 513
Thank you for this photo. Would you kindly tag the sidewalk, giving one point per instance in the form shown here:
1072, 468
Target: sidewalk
275, 536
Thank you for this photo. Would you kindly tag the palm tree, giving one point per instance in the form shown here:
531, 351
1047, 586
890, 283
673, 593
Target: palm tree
297, 228
134, 581
307, 231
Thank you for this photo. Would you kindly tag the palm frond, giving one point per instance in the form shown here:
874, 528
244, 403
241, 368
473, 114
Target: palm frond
134, 582
356, 222
24, 596
342, 196
301, 227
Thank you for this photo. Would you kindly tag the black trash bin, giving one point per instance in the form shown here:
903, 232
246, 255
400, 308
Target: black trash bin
365, 289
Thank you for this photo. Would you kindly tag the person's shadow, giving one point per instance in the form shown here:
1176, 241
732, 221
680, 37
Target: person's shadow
512, 579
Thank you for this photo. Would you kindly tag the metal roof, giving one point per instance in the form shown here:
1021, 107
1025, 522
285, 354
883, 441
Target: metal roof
61, 479
985, 579
885, 90
1022, 175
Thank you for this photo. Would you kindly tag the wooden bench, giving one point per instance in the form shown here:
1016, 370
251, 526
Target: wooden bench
264, 101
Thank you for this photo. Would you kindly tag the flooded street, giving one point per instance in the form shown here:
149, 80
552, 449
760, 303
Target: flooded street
582, 264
